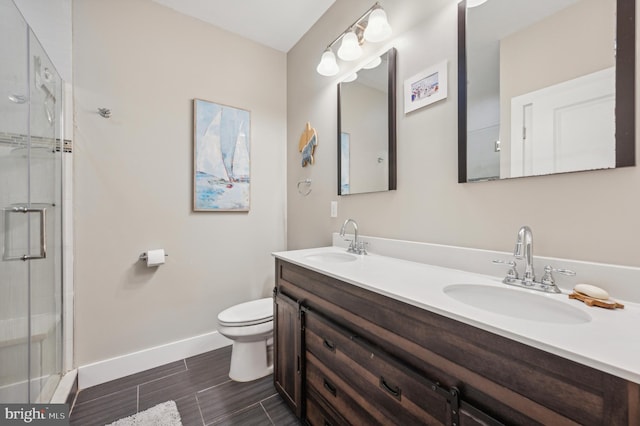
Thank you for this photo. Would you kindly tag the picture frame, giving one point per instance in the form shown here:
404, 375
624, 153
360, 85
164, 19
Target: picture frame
426, 87
221, 157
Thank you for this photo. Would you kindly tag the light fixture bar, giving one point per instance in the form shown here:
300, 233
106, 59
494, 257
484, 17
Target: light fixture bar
371, 26
355, 24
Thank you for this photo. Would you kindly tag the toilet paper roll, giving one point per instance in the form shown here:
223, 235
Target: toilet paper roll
155, 257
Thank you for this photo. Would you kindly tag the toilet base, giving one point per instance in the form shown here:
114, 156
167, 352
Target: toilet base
249, 361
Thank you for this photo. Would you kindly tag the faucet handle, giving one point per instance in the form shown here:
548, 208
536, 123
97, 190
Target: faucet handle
512, 273
362, 247
547, 278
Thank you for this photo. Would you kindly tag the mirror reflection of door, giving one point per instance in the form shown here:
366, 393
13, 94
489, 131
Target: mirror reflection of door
541, 81
565, 127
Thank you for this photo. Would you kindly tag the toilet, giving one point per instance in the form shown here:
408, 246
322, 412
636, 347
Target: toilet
250, 326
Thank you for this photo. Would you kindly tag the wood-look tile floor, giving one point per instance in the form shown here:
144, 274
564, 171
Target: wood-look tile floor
201, 389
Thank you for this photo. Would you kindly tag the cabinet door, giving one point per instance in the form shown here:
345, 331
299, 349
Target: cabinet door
287, 373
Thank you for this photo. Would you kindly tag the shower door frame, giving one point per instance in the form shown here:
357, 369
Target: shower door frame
31, 224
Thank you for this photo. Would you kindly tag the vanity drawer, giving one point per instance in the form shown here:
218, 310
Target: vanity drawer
400, 395
352, 406
319, 413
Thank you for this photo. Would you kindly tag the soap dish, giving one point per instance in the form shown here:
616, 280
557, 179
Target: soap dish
590, 301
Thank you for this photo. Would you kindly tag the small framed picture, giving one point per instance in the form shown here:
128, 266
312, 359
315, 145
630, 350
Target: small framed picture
426, 87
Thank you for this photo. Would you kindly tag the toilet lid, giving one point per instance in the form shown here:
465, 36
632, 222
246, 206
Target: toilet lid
248, 313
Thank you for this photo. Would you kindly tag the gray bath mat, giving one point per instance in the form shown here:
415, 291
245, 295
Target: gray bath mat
165, 414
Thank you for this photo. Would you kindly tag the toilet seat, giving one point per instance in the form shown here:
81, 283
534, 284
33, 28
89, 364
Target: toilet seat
246, 314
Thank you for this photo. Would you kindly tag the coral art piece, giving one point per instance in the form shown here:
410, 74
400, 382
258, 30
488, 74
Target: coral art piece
307, 144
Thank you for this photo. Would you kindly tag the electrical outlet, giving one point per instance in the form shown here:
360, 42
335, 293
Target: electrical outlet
334, 209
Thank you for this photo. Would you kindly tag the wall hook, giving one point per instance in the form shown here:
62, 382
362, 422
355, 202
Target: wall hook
104, 112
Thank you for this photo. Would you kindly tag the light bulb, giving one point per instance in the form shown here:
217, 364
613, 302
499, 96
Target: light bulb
378, 28
350, 48
328, 65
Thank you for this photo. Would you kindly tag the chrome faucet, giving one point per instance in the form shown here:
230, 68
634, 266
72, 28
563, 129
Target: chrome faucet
355, 246
524, 251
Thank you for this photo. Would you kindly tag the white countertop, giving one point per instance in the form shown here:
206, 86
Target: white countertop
609, 342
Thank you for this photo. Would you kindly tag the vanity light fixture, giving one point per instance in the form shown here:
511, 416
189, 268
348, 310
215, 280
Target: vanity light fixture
328, 65
372, 26
378, 28
350, 49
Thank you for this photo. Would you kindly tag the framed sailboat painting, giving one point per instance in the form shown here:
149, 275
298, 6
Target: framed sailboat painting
221, 157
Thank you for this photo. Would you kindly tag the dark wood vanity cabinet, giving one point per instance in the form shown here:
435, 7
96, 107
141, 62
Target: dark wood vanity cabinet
345, 355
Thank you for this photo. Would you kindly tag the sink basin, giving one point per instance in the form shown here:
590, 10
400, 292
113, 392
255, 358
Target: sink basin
517, 303
332, 257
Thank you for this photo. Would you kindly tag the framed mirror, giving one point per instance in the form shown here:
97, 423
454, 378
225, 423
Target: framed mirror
367, 128
545, 87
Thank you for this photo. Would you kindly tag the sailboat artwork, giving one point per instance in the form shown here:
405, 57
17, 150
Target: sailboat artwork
221, 157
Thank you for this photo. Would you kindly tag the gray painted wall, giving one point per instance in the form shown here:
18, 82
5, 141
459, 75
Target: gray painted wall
133, 175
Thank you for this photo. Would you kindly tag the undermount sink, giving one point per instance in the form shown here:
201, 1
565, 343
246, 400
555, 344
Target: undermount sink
332, 257
517, 303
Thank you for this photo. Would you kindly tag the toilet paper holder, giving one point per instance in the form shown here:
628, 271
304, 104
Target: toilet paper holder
143, 256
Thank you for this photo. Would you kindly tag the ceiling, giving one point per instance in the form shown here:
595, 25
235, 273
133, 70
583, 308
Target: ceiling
279, 24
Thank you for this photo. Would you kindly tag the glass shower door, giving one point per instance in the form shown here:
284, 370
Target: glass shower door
45, 220
30, 203
14, 191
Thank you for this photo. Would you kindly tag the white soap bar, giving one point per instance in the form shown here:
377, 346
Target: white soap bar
592, 291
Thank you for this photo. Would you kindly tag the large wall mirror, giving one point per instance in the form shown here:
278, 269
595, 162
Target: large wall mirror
545, 86
367, 128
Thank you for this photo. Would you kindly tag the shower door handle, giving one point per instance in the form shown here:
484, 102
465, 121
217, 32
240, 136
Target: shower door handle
43, 232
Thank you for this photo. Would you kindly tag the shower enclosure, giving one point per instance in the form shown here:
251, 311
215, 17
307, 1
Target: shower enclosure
31, 151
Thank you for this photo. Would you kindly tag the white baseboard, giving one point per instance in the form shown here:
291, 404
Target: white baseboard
125, 365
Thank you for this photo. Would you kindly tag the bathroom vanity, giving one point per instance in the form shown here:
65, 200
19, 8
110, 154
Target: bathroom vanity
350, 350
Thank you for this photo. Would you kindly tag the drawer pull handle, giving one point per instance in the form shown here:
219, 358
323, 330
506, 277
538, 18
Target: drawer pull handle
329, 345
396, 393
328, 386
